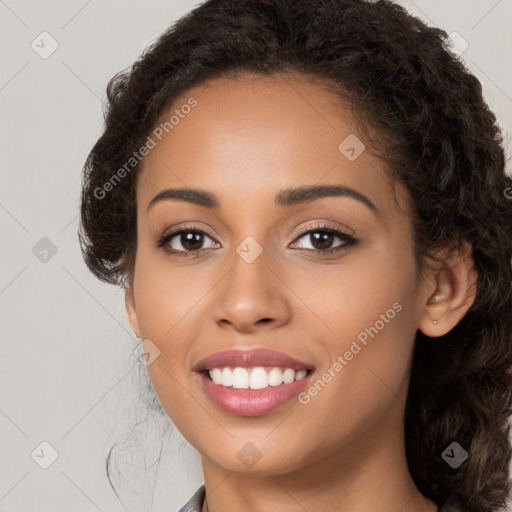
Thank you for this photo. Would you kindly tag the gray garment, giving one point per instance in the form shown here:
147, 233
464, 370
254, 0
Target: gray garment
195, 504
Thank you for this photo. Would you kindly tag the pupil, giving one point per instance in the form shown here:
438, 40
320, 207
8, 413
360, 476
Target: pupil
325, 240
188, 240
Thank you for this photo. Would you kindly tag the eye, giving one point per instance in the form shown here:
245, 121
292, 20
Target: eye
321, 238
184, 242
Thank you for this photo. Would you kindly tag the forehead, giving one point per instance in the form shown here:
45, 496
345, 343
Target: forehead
247, 137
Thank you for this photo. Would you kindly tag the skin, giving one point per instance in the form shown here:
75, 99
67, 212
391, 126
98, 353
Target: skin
247, 139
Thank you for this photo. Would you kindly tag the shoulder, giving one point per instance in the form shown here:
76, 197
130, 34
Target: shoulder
195, 503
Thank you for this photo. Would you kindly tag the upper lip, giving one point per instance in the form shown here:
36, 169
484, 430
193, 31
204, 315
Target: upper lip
250, 358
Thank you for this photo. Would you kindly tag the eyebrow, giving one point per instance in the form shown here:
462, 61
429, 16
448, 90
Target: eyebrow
285, 198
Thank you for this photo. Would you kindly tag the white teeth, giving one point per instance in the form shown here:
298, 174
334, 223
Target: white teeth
240, 378
216, 375
258, 378
275, 377
226, 378
300, 374
288, 376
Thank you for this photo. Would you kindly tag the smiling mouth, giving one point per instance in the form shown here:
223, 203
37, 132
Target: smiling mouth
235, 394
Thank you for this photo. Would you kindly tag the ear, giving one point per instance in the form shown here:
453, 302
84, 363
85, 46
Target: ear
450, 291
131, 311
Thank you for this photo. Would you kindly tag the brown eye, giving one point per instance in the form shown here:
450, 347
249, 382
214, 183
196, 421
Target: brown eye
184, 242
321, 239
190, 241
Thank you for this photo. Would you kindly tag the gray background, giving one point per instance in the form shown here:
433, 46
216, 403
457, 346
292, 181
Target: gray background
67, 362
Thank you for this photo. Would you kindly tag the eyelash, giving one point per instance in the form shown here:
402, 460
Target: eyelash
349, 240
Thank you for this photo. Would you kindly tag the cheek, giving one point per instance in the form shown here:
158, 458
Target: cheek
172, 305
167, 291
168, 305
344, 298
364, 313
366, 371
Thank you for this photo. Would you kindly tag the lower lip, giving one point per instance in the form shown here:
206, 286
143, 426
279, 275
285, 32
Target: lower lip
252, 402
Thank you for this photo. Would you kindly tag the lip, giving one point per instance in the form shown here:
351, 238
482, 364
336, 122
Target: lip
250, 358
252, 402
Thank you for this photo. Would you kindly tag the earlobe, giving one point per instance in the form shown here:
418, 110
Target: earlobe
455, 286
131, 311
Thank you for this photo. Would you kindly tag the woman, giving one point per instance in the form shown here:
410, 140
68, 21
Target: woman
305, 202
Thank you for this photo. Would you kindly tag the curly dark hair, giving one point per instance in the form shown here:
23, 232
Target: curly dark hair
439, 138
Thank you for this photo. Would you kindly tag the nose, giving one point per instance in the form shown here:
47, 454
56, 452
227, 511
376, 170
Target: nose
251, 297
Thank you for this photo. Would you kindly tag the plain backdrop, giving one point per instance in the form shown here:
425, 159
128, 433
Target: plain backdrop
65, 337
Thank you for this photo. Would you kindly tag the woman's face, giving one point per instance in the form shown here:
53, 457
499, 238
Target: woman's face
256, 280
